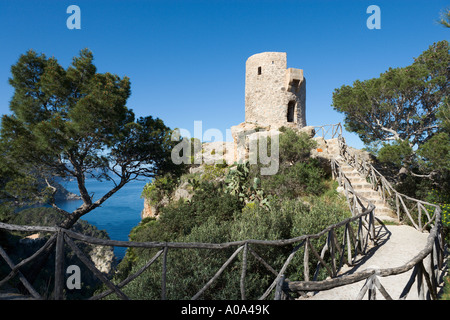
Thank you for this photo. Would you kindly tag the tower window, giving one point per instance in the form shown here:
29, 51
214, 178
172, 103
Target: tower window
259, 71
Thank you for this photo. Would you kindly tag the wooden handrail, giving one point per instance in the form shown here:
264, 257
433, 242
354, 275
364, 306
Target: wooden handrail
353, 242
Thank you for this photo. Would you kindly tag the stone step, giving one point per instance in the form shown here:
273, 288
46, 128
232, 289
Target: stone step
380, 202
382, 210
361, 185
368, 193
358, 181
352, 173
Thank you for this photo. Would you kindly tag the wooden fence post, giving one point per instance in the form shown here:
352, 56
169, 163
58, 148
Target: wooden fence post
244, 269
59, 266
279, 293
306, 261
164, 274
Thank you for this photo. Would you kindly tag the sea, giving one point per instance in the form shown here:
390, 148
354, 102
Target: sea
117, 215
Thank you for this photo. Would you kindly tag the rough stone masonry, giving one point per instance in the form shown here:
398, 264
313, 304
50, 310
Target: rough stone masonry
274, 95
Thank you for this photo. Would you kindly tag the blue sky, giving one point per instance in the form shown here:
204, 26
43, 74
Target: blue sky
186, 58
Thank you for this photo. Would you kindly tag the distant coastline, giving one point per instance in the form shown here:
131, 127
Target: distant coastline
117, 216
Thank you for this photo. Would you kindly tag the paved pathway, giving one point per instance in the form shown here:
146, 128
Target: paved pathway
398, 245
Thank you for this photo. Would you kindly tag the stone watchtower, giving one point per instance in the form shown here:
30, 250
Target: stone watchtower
274, 95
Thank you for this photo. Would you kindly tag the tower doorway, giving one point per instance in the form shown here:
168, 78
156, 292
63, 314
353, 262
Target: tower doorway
291, 111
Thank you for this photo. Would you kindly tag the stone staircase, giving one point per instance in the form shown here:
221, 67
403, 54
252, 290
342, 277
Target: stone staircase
382, 211
397, 243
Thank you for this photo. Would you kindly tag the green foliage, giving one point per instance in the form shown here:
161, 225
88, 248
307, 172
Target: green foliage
443, 115
238, 183
445, 18
401, 103
234, 209
195, 183
406, 112
441, 199
159, 188
300, 179
6, 213
398, 153
298, 174
209, 200
446, 291
435, 152
74, 122
294, 147
213, 172
242, 206
190, 269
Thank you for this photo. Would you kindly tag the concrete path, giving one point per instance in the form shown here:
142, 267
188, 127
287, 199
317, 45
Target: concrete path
398, 245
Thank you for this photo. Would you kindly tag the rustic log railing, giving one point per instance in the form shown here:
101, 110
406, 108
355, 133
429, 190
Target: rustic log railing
328, 131
356, 240
357, 237
433, 252
418, 213
434, 249
344, 243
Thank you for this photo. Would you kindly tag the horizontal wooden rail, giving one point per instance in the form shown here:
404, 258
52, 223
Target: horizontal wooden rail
68, 235
357, 237
380, 183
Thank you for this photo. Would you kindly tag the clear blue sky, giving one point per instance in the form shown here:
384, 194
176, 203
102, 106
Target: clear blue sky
186, 58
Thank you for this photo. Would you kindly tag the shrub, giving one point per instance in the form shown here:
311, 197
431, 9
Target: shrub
159, 188
208, 200
294, 147
299, 179
298, 174
189, 269
213, 172
228, 210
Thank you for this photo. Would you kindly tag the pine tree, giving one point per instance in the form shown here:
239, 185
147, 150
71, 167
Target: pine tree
74, 123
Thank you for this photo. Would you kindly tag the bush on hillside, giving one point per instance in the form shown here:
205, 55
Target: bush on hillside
189, 269
302, 202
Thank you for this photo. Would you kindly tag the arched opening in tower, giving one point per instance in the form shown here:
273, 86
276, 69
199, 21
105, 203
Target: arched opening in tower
291, 111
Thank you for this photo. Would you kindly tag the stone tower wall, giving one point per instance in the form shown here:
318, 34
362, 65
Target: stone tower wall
270, 88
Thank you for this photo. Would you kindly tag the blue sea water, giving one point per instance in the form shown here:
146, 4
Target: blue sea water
117, 215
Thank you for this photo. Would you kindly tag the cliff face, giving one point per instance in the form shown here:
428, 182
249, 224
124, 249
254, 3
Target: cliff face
152, 210
149, 211
103, 258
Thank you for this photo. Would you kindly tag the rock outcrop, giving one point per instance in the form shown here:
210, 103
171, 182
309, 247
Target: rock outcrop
103, 258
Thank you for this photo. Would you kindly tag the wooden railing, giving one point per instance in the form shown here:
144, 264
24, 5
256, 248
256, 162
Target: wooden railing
357, 236
418, 213
328, 131
434, 250
343, 242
